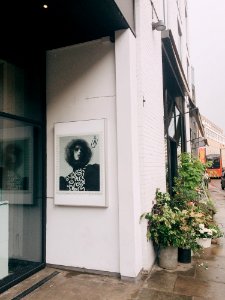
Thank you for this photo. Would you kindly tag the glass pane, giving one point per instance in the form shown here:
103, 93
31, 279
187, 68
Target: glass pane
17, 87
171, 128
20, 198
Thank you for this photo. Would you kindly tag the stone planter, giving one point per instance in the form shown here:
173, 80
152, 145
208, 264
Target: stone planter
204, 242
168, 258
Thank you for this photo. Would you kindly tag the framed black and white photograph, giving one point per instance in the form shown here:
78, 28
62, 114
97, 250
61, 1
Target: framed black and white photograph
16, 158
80, 163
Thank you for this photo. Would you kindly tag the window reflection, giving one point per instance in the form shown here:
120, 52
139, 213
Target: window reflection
20, 199
13, 162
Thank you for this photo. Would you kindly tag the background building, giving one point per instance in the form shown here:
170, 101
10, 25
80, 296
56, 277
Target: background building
215, 137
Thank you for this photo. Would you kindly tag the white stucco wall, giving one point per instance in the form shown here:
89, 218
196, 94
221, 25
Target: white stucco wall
92, 81
81, 86
128, 154
177, 13
187, 124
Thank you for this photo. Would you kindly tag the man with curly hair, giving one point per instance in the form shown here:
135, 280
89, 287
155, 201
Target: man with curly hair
84, 177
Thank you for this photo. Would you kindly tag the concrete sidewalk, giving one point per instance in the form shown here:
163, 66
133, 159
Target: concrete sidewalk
204, 278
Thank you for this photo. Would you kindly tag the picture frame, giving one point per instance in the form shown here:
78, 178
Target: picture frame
16, 177
80, 180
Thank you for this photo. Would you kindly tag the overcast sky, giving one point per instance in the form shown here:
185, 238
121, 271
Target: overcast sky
207, 51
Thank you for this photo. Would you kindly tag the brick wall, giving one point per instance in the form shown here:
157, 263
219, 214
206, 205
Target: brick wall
151, 125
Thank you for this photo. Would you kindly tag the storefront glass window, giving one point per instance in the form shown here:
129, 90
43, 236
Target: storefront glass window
20, 198
21, 173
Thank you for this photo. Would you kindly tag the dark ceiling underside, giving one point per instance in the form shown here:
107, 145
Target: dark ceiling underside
25, 24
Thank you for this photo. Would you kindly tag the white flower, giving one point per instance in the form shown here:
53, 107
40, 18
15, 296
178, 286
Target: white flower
201, 226
206, 232
209, 231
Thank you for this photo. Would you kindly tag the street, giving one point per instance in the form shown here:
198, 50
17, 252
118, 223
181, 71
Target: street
215, 183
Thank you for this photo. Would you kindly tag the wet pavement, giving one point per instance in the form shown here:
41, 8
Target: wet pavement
203, 278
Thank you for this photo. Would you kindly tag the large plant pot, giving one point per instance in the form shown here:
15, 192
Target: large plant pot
168, 258
184, 255
204, 242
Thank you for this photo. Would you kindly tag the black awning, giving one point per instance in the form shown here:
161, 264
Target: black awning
173, 59
28, 24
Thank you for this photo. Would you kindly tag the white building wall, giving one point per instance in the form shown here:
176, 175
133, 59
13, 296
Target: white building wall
81, 86
82, 82
124, 85
172, 18
151, 123
128, 149
176, 18
187, 124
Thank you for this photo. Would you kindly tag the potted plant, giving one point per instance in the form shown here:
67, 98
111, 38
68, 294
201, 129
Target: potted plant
191, 196
163, 228
173, 230
206, 233
204, 236
189, 224
207, 206
174, 223
189, 183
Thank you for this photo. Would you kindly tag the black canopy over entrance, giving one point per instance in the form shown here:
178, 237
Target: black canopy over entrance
28, 24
